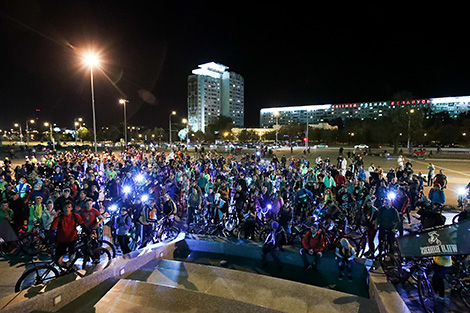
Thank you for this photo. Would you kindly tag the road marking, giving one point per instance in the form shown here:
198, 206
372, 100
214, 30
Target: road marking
444, 168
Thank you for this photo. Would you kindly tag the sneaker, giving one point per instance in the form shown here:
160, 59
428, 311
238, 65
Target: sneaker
350, 278
340, 277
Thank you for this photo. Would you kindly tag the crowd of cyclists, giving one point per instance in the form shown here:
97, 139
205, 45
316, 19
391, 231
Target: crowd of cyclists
136, 197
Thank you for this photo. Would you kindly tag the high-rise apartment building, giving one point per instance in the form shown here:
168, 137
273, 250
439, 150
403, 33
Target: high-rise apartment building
214, 91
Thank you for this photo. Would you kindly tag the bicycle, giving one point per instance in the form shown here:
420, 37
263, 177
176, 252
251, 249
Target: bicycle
457, 280
46, 272
165, 231
334, 234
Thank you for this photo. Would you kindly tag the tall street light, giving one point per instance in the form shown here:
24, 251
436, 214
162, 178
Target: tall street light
306, 132
185, 122
21, 132
27, 129
123, 102
92, 60
76, 123
276, 114
409, 128
47, 124
172, 113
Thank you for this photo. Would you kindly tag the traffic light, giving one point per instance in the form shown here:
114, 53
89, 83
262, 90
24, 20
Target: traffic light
305, 139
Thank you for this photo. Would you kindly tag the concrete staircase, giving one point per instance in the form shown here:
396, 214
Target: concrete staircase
186, 287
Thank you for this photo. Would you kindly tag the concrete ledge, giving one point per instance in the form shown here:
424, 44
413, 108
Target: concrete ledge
62, 291
384, 293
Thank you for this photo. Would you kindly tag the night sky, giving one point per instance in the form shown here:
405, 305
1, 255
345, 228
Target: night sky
288, 55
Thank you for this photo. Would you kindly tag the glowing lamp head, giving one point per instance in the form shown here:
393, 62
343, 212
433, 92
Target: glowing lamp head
269, 206
144, 198
391, 195
91, 59
139, 178
462, 191
126, 189
113, 208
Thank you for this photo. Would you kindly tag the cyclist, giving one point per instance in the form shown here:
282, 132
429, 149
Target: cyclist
48, 216
91, 216
369, 212
345, 255
169, 206
440, 179
6, 212
194, 203
436, 194
65, 224
147, 217
442, 267
273, 245
122, 225
313, 244
35, 213
387, 221
302, 197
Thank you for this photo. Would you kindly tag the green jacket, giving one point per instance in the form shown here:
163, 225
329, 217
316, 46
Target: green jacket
8, 214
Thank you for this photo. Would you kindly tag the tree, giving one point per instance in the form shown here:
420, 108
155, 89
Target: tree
84, 134
217, 128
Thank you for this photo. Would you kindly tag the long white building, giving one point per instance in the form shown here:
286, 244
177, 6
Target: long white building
214, 91
319, 113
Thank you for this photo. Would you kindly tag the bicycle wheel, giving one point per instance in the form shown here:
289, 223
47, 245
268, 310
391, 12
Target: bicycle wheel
169, 234
108, 246
10, 249
426, 294
361, 246
31, 244
133, 242
100, 259
391, 267
464, 294
264, 234
36, 276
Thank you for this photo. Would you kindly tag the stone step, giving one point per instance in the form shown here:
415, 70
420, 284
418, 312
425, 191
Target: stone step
128, 296
264, 291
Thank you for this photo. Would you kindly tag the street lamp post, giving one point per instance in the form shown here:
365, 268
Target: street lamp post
92, 60
27, 130
123, 102
172, 113
47, 124
185, 121
75, 124
409, 129
306, 132
276, 114
21, 132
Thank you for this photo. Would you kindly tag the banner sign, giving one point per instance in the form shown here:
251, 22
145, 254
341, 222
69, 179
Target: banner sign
7, 233
438, 241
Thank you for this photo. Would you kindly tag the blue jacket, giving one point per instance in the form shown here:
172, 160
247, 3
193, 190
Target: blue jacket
437, 196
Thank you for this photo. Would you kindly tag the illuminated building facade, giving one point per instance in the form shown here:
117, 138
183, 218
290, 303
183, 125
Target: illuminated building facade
214, 91
314, 114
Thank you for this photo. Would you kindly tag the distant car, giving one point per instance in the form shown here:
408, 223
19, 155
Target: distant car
360, 147
320, 146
